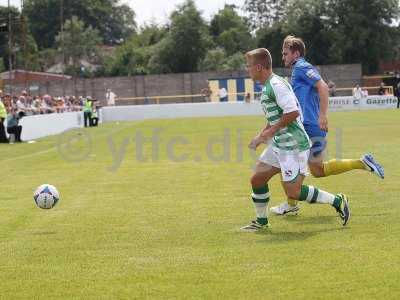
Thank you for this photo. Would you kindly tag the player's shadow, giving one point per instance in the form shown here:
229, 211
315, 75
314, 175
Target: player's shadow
312, 219
287, 236
276, 236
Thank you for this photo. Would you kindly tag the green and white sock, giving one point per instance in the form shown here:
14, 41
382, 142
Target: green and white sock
260, 198
312, 194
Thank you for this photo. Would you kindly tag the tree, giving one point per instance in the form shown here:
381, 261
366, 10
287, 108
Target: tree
230, 31
312, 21
235, 62
114, 22
214, 60
184, 45
272, 39
132, 57
336, 31
217, 60
128, 60
363, 31
78, 43
24, 48
264, 13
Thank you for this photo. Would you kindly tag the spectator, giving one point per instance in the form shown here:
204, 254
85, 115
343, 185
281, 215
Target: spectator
381, 90
94, 120
3, 116
357, 92
21, 107
46, 104
332, 88
223, 95
247, 98
398, 94
13, 126
35, 107
7, 101
110, 97
59, 105
207, 93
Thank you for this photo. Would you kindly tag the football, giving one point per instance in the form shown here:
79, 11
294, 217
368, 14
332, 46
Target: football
46, 196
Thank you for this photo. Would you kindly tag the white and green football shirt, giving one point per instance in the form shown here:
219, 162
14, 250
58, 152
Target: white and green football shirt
277, 99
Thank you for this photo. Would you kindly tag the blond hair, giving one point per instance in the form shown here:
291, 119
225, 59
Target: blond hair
260, 56
294, 44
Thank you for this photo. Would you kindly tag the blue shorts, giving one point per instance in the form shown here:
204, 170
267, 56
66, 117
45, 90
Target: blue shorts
318, 139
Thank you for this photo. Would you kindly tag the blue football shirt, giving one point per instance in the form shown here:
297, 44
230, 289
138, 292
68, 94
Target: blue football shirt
304, 78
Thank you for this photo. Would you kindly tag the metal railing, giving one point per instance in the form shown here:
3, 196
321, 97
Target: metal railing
253, 95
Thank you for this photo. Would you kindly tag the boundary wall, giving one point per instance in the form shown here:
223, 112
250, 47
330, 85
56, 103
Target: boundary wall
39, 126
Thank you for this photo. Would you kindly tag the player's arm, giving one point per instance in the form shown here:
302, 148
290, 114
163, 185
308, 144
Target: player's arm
269, 131
287, 101
285, 120
311, 76
323, 92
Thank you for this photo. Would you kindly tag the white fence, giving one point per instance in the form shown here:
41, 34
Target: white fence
219, 109
39, 126
366, 103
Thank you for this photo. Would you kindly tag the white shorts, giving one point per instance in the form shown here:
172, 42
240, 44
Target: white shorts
291, 164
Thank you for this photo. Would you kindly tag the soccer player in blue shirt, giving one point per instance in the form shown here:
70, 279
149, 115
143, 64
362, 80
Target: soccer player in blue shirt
312, 93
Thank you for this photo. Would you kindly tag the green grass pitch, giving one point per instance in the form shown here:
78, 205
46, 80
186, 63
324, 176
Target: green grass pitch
153, 227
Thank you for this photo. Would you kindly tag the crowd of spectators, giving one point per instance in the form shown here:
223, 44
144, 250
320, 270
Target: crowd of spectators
26, 105
13, 108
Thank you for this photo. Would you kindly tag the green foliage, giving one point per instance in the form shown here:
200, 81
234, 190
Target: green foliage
47, 58
309, 20
78, 43
28, 56
132, 57
114, 22
272, 38
217, 60
362, 31
150, 34
235, 62
230, 31
25, 52
226, 19
334, 31
264, 13
184, 45
129, 60
214, 60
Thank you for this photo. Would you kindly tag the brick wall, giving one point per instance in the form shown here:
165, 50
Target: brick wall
171, 84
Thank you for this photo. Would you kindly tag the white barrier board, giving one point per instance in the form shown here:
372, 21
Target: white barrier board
220, 109
366, 103
38, 126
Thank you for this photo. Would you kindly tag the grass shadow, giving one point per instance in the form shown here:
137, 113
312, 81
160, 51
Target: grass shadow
311, 219
288, 236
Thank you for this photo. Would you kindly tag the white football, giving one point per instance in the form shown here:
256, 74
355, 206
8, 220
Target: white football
46, 196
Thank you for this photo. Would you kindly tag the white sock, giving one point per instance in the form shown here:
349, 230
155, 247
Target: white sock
316, 195
261, 209
325, 197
